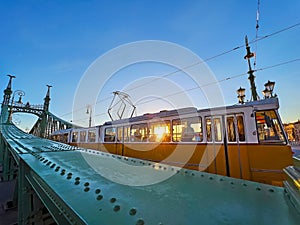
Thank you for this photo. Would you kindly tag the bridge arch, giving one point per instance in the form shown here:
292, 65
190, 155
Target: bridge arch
46, 122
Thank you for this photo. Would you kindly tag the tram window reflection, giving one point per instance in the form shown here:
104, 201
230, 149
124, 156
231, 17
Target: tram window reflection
126, 134
231, 129
91, 135
187, 130
82, 136
269, 129
110, 134
75, 137
139, 132
160, 132
208, 130
119, 134
217, 129
241, 128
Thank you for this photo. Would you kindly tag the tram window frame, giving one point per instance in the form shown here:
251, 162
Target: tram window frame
65, 137
268, 123
109, 134
119, 134
238, 128
218, 131
82, 136
126, 134
241, 128
231, 128
139, 132
75, 136
164, 135
91, 138
187, 129
212, 131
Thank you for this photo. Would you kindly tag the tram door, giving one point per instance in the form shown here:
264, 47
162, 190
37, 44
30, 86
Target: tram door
235, 148
216, 152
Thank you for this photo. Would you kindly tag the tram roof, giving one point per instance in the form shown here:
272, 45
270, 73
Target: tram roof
270, 103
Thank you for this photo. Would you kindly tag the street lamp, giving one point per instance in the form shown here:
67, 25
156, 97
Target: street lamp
89, 111
241, 95
269, 87
21, 94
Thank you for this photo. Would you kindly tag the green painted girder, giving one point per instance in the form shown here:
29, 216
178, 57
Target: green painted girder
83, 181
80, 186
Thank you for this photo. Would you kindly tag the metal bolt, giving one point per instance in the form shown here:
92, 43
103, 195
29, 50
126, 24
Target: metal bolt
140, 222
117, 208
112, 200
99, 197
132, 212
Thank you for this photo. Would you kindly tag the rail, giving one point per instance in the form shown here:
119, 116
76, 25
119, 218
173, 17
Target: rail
81, 186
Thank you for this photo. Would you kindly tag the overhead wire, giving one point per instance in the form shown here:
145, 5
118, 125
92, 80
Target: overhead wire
257, 39
205, 85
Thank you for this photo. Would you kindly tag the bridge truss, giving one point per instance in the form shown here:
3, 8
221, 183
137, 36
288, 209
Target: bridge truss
46, 123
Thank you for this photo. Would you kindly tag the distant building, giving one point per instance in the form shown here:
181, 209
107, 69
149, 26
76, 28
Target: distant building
293, 131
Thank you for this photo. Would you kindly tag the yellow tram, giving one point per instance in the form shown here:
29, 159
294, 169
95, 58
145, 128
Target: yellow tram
245, 141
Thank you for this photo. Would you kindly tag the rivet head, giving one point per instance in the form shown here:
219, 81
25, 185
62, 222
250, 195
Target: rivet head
97, 191
140, 222
86, 184
99, 197
112, 200
117, 208
132, 212
86, 189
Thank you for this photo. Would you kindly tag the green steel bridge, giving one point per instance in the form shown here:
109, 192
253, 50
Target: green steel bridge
60, 184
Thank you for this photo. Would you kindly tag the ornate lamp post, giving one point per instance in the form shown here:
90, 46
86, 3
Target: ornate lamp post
241, 95
269, 87
89, 111
21, 94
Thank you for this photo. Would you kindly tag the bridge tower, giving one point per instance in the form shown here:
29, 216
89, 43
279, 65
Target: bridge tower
6, 100
46, 123
44, 119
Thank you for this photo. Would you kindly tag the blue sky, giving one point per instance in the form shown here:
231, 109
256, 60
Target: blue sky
55, 42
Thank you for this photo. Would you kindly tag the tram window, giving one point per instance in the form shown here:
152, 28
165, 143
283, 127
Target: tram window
82, 136
241, 128
268, 126
231, 129
139, 132
160, 132
91, 135
74, 136
208, 130
126, 134
217, 129
120, 134
110, 134
187, 130
213, 129
65, 138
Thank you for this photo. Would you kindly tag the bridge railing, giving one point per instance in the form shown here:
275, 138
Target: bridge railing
27, 105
